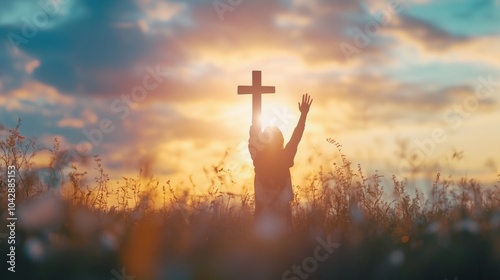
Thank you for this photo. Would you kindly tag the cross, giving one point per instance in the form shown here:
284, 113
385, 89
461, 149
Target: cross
256, 89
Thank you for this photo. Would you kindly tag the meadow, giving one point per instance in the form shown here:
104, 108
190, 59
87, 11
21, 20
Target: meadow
346, 225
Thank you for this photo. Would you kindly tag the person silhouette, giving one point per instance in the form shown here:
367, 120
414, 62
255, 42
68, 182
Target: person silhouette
272, 182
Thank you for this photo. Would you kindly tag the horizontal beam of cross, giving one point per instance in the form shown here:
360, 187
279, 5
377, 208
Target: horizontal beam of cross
256, 90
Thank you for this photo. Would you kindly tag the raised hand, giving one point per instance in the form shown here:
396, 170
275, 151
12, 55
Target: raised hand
305, 104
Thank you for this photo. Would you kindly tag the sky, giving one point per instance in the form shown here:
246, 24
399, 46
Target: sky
153, 84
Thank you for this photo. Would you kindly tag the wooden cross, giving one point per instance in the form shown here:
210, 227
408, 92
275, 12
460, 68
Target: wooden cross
256, 89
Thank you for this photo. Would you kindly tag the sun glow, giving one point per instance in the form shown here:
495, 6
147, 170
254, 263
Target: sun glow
280, 116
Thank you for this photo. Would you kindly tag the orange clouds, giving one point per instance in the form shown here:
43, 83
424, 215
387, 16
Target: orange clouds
71, 122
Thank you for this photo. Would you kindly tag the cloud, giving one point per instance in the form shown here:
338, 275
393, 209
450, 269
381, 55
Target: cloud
161, 11
430, 35
72, 56
381, 101
71, 122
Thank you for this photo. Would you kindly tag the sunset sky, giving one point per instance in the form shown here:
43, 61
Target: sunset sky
161, 77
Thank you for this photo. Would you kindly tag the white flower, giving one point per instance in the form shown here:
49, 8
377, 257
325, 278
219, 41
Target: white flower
467, 225
397, 257
35, 249
495, 221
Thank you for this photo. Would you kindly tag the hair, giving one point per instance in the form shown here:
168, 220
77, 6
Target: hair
273, 138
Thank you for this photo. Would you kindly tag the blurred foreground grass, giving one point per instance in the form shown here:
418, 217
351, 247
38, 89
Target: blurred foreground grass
346, 226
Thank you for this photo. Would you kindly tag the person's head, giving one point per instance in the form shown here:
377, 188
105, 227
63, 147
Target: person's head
273, 138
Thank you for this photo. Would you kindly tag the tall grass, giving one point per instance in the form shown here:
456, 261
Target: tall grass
81, 228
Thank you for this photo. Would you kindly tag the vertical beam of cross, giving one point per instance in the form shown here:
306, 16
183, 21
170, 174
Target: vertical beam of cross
256, 90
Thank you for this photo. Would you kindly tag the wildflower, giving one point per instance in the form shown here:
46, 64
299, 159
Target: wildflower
495, 221
35, 249
397, 257
43, 212
467, 225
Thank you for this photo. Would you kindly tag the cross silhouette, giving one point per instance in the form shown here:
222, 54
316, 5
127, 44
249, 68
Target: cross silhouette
256, 89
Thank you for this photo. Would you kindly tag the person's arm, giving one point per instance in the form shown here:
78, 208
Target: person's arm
254, 144
252, 141
291, 146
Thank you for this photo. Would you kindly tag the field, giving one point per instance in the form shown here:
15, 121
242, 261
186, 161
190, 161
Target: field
345, 226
